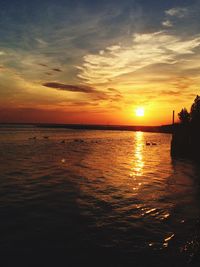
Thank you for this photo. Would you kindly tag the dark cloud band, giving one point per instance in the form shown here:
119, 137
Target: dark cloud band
71, 88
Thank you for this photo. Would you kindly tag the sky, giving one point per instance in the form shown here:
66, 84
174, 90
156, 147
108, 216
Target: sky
96, 62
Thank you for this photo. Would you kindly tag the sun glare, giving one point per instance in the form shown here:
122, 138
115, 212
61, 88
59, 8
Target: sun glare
139, 112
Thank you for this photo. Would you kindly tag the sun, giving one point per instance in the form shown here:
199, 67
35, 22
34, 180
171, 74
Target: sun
139, 112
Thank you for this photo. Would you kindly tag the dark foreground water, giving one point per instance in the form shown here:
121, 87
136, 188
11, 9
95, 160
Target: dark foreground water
105, 200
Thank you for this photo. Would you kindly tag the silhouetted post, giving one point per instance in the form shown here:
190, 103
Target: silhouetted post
173, 117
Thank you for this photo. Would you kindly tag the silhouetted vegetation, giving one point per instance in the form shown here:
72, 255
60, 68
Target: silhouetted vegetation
186, 135
195, 112
184, 116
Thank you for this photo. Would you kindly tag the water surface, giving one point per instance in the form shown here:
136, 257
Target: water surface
101, 198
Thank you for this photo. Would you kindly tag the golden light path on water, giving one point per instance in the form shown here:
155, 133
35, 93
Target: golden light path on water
138, 163
137, 172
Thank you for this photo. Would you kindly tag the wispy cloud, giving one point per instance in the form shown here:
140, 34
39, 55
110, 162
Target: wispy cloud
48, 73
92, 92
146, 49
169, 93
41, 42
69, 87
46, 66
109, 95
178, 12
167, 23
43, 65
2, 53
57, 69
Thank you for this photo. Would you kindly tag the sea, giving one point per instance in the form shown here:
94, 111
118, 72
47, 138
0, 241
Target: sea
96, 198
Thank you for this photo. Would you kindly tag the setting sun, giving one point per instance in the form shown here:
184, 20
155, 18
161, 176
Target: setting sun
139, 112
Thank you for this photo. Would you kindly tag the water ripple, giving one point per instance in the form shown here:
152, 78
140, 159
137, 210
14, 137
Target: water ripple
108, 191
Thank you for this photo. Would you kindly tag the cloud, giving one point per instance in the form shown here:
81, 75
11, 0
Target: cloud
43, 65
53, 69
29, 65
170, 92
167, 23
84, 103
2, 53
145, 50
48, 73
110, 95
41, 43
183, 83
178, 12
113, 90
69, 87
56, 69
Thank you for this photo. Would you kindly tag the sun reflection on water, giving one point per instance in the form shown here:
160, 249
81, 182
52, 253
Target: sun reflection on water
138, 161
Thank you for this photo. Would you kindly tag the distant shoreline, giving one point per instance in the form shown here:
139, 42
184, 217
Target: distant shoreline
154, 129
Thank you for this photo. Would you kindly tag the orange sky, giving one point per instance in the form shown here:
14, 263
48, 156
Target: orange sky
85, 64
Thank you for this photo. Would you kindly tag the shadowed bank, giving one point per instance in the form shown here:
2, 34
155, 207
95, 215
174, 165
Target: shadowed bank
186, 134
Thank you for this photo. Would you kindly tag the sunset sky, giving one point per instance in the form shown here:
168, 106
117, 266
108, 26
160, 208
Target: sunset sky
87, 61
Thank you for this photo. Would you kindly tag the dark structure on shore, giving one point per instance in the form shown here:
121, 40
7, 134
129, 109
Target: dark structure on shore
186, 134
